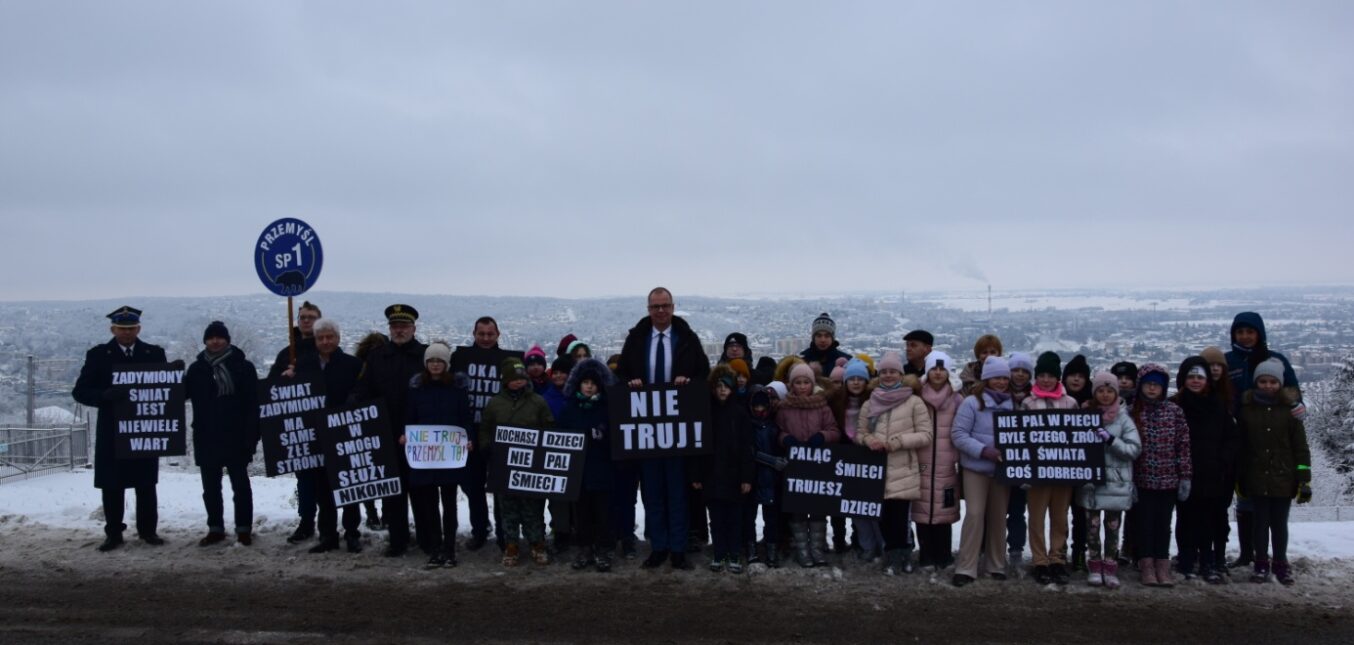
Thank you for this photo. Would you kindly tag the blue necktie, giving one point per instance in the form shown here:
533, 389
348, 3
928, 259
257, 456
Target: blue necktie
660, 361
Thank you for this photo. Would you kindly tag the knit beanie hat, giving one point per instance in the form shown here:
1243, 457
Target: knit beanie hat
1019, 361
801, 369
855, 368
996, 367
1213, 356
564, 364
438, 350
891, 360
535, 355
512, 369
838, 373
938, 359
216, 329
920, 335
1125, 369
741, 367
824, 323
564, 344
736, 339
1270, 367
1077, 365
575, 345
1153, 373
1104, 379
1049, 363
779, 388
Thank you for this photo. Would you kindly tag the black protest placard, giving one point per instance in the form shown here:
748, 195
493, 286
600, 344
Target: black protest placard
480, 365
530, 462
361, 455
659, 421
1050, 447
150, 410
835, 480
291, 413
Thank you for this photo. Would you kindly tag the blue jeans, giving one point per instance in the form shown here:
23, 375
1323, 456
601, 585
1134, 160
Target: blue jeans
664, 487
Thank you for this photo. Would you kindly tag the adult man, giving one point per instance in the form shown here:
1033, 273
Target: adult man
386, 375
303, 337
662, 349
484, 335
917, 344
94, 388
736, 346
823, 352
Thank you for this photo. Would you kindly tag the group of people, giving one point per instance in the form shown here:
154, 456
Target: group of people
1232, 430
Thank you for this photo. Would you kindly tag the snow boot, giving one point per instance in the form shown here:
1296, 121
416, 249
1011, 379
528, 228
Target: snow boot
1096, 577
540, 554
303, 532
1111, 570
1147, 571
734, 565
584, 560
803, 555
772, 556
511, 555
1164, 576
603, 563
893, 562
212, 538
750, 552
1283, 573
818, 543
111, 542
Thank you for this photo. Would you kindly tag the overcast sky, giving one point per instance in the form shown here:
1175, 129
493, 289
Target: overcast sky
588, 148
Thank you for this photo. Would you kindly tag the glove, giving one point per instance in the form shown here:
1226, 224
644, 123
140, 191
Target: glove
789, 441
817, 440
991, 454
597, 434
1299, 411
1182, 493
780, 463
1304, 493
1104, 435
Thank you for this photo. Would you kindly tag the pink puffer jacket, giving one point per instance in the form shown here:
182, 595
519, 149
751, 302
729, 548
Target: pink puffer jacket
940, 494
802, 417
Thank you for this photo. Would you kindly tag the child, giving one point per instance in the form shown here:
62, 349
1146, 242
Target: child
985, 497
1127, 373
846, 402
1109, 500
586, 411
1049, 553
436, 399
1077, 383
1161, 473
1022, 372
516, 404
1201, 521
1022, 376
898, 423
938, 509
1276, 466
725, 476
766, 487
987, 345
805, 419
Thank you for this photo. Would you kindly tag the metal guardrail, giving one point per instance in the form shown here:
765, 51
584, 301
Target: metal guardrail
29, 452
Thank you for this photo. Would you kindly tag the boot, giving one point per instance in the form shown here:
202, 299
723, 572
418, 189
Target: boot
603, 562
750, 552
511, 555
1261, 573
1283, 573
244, 539
772, 556
818, 543
327, 543
212, 538
734, 565
1096, 577
1079, 561
540, 554
112, 541
803, 555
1147, 570
354, 541
893, 562
907, 565
1110, 568
303, 532
584, 560
1164, 576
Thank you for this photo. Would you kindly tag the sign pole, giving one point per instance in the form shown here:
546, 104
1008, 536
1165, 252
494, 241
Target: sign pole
291, 335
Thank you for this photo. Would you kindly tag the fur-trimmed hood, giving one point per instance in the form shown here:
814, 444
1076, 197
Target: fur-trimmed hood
589, 367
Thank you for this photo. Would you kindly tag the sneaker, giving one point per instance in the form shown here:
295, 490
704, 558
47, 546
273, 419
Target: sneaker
735, 565
1043, 575
1060, 574
435, 561
959, 580
583, 560
1096, 577
716, 565
539, 554
301, 534
110, 542
603, 563
449, 559
655, 560
680, 563
212, 538
326, 544
1213, 576
1260, 574
475, 543
510, 555
1284, 573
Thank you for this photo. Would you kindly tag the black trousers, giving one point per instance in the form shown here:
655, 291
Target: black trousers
1271, 520
726, 527
476, 497
935, 541
592, 520
115, 503
396, 514
1152, 522
436, 525
894, 524
1078, 528
697, 524
241, 493
1201, 523
329, 515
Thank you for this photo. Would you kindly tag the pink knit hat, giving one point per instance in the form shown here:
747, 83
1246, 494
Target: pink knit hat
891, 360
1104, 379
801, 369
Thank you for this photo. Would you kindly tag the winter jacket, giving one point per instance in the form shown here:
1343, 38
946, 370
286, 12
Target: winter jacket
340, 375
826, 359
802, 417
1241, 361
523, 408
1165, 457
905, 429
973, 431
386, 375
1274, 453
438, 403
225, 428
305, 346
939, 462
1214, 443
1117, 493
592, 417
554, 399
769, 457
688, 356
94, 388
722, 472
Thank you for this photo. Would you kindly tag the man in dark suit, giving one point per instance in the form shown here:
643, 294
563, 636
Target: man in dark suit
94, 388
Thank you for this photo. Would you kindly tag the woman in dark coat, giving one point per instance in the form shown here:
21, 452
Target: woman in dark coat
436, 399
223, 387
1201, 520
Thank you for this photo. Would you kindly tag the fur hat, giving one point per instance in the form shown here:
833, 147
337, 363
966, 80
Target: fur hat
1077, 365
938, 359
740, 367
438, 350
512, 369
535, 355
985, 343
996, 367
801, 370
1213, 356
782, 372
1049, 363
1104, 379
1018, 361
593, 369
920, 335
824, 323
855, 368
216, 329
891, 360
1270, 367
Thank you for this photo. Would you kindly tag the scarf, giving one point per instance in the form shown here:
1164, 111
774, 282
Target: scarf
999, 397
1260, 398
937, 398
885, 398
1039, 393
586, 402
1108, 415
225, 385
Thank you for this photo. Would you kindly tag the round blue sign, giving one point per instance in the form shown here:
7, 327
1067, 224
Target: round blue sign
288, 257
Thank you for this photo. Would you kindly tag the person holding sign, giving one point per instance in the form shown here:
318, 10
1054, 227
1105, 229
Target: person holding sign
223, 386
94, 388
658, 350
586, 410
1162, 474
1105, 503
896, 422
435, 399
516, 404
985, 497
725, 476
805, 419
303, 343
1049, 553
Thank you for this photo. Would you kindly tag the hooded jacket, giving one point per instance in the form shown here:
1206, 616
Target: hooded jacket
591, 416
767, 450
1117, 493
1165, 457
732, 463
1214, 440
438, 403
1241, 362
